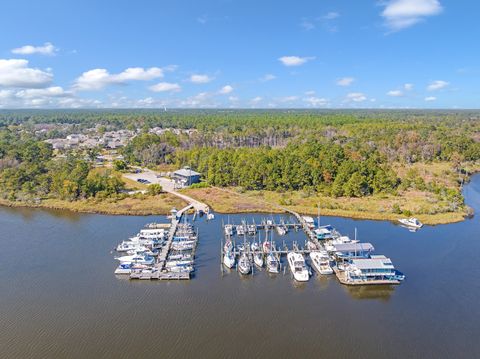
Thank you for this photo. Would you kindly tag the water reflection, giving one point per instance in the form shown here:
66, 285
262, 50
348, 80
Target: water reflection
379, 292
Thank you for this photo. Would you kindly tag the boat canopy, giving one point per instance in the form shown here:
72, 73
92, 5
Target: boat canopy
376, 262
353, 247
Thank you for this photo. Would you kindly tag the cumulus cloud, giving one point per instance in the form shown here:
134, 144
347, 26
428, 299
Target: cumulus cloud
97, 79
256, 100
295, 60
400, 14
165, 87
314, 101
395, 93
16, 73
46, 49
226, 90
345, 81
430, 98
200, 79
356, 97
437, 85
408, 87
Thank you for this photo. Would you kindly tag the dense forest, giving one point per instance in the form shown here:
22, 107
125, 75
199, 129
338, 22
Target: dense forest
28, 170
338, 153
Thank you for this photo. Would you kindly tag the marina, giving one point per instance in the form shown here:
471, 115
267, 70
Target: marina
63, 282
325, 249
161, 251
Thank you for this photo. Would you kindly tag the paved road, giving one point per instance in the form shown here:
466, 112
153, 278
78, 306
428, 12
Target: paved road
167, 185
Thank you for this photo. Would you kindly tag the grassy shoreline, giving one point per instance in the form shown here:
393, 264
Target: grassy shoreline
131, 206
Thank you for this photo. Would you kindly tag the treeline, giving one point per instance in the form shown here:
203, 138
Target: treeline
28, 171
328, 168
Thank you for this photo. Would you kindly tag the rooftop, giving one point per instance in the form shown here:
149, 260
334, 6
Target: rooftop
376, 262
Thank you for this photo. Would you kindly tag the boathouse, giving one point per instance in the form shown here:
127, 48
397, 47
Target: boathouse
186, 177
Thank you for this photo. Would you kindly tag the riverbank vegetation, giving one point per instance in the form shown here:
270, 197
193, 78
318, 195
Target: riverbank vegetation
372, 163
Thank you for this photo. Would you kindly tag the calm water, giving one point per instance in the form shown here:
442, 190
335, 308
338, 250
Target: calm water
59, 297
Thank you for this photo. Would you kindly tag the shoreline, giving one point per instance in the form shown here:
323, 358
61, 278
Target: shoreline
143, 208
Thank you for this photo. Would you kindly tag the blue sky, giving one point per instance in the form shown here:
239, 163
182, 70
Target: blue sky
240, 53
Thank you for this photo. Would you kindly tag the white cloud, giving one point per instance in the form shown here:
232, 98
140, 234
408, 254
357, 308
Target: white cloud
356, 97
54, 91
314, 101
287, 99
97, 79
16, 73
226, 90
408, 87
268, 77
200, 79
310, 93
294, 60
430, 98
395, 93
256, 100
400, 14
437, 85
46, 49
201, 100
345, 81
307, 25
165, 87
331, 15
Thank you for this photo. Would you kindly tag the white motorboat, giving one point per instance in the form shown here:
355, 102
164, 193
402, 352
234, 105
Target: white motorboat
240, 229
298, 267
252, 229
321, 262
258, 259
244, 265
176, 263
411, 222
141, 259
272, 263
229, 259
181, 269
126, 246
123, 268
210, 216
181, 256
281, 230
181, 246
229, 230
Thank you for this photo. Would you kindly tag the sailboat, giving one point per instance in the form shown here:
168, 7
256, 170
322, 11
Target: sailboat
229, 259
244, 265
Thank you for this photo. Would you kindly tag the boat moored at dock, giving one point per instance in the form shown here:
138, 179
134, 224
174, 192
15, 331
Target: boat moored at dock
298, 267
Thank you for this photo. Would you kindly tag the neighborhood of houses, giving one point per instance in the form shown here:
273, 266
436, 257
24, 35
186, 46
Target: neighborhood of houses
107, 140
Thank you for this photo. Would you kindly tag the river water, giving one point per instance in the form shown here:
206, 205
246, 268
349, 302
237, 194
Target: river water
59, 297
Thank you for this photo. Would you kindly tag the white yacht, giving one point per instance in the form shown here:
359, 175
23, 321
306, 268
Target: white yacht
281, 230
244, 265
298, 267
141, 259
272, 263
229, 259
126, 246
240, 229
411, 222
321, 262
